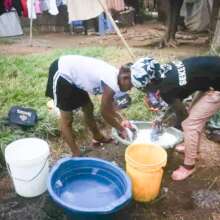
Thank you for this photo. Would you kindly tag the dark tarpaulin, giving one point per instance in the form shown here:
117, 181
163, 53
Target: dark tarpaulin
2, 8
17, 5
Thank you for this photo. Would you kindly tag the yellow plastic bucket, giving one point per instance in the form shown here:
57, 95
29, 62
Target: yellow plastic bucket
144, 165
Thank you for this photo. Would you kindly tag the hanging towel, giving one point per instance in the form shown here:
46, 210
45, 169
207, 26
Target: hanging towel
37, 7
83, 9
24, 8
31, 12
117, 5
59, 2
44, 5
10, 24
7, 4
53, 7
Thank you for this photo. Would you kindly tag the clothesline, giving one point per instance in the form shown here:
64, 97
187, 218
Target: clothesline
85, 8
77, 10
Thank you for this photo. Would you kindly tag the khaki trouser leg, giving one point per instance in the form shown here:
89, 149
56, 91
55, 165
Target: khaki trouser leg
193, 126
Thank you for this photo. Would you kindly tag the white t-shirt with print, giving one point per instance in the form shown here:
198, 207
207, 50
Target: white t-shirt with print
88, 73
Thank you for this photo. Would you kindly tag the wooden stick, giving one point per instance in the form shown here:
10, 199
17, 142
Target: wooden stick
31, 24
116, 29
213, 182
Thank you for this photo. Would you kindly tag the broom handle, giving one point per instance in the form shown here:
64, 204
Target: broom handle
116, 29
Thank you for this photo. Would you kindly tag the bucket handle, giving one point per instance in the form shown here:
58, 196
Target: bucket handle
29, 180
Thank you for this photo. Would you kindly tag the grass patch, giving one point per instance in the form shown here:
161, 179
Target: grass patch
23, 82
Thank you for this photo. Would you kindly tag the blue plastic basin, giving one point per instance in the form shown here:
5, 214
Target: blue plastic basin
89, 188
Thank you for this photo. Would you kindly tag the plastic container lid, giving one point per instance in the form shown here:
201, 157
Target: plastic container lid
26, 151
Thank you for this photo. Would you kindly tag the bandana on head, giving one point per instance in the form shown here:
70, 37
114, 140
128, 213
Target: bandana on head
146, 69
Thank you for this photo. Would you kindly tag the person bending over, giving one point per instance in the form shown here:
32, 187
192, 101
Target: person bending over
176, 81
71, 79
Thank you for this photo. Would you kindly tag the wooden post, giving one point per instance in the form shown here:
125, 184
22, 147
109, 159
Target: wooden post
116, 29
214, 18
216, 38
31, 24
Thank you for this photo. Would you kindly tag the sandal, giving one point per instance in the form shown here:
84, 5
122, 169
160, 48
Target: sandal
182, 173
98, 143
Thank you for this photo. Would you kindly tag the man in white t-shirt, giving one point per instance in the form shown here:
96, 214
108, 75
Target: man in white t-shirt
71, 79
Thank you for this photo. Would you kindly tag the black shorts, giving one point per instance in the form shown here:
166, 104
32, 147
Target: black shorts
66, 96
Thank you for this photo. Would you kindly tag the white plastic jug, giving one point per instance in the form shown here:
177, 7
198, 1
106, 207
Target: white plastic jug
28, 165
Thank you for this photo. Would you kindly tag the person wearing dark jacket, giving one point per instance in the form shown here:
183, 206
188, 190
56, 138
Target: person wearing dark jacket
176, 81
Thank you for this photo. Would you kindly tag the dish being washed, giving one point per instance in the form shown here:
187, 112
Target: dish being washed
167, 139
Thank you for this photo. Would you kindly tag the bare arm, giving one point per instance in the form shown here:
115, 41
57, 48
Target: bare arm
108, 110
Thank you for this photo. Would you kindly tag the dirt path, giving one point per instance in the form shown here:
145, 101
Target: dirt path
142, 38
185, 200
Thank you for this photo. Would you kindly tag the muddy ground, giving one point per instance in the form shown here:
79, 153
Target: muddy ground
192, 199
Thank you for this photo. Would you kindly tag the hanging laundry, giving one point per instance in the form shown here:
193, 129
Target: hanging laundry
44, 5
31, 9
2, 7
17, 5
83, 9
7, 4
53, 7
24, 8
117, 5
10, 24
64, 2
37, 7
59, 2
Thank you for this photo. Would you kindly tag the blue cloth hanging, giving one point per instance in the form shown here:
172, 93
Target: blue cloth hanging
105, 25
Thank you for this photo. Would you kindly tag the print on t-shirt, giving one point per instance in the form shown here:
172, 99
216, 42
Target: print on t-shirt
181, 69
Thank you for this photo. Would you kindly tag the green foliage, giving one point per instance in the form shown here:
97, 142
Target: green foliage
137, 110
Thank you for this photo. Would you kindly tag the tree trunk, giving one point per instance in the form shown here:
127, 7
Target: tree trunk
214, 17
216, 38
173, 7
138, 6
162, 8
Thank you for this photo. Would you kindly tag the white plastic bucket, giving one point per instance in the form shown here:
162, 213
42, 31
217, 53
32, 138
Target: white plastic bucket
27, 162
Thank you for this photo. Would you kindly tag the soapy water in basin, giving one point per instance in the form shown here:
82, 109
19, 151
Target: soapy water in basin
144, 136
90, 192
